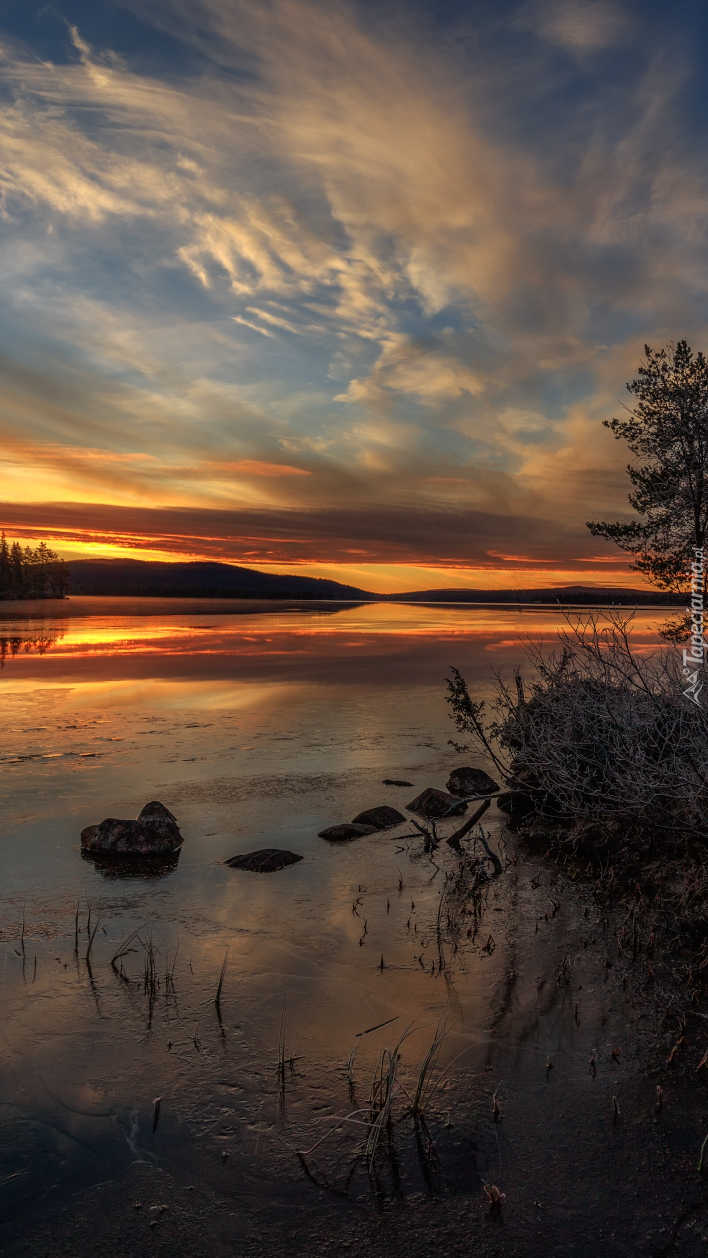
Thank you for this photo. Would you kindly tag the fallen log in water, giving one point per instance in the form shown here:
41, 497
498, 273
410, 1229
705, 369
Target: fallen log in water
454, 839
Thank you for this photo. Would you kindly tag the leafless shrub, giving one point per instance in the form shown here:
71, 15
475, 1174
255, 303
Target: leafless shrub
599, 739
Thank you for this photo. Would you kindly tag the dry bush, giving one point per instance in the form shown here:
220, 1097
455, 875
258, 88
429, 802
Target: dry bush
597, 738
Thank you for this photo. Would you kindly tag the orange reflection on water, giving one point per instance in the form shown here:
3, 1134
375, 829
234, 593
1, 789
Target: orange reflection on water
292, 629
378, 645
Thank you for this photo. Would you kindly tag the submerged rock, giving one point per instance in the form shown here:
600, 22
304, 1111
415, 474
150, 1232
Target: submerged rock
155, 832
469, 781
265, 861
396, 782
345, 832
381, 818
432, 803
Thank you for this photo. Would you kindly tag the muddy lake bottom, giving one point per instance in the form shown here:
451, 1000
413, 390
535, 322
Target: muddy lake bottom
259, 726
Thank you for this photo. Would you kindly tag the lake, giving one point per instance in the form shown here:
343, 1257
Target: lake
257, 724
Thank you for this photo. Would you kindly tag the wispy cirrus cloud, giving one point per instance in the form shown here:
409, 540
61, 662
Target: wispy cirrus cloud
579, 26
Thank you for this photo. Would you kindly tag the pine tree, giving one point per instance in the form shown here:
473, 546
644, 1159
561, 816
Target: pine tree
4, 567
16, 571
668, 431
42, 560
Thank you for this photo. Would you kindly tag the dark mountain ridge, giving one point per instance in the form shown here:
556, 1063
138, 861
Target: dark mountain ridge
577, 595
210, 579
149, 578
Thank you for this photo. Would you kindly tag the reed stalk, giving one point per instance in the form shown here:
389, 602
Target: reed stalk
281, 1049
359, 1035
217, 999
91, 939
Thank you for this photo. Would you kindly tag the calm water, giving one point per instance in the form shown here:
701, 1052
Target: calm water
257, 724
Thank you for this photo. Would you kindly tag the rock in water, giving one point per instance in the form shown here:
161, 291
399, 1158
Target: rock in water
156, 815
265, 861
155, 832
381, 818
345, 832
432, 804
396, 782
469, 781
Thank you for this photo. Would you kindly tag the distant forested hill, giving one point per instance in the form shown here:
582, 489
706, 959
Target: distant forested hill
577, 595
143, 578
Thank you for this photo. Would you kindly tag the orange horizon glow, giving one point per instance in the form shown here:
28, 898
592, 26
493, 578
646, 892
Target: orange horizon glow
375, 578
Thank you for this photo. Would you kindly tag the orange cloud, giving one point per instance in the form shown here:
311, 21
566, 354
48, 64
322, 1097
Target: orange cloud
393, 552
252, 467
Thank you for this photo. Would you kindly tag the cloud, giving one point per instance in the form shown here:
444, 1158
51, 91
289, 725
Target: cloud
380, 535
413, 370
579, 26
50, 469
253, 326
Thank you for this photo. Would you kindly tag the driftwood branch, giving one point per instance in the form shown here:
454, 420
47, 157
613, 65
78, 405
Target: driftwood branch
454, 840
430, 842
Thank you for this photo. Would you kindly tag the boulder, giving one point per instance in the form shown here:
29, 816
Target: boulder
265, 861
432, 804
381, 818
155, 832
345, 832
396, 782
469, 781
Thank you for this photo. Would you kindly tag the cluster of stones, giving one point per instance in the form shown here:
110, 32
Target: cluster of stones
431, 804
155, 831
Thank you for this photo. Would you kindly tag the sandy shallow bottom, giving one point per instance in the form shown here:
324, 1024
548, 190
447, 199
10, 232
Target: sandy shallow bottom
252, 747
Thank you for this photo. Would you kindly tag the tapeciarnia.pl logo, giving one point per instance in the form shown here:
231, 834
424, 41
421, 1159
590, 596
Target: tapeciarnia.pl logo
693, 659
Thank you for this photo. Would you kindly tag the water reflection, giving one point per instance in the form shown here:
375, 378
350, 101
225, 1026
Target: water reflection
308, 642
257, 728
132, 867
38, 644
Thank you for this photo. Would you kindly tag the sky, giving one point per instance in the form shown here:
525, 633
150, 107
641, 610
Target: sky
342, 288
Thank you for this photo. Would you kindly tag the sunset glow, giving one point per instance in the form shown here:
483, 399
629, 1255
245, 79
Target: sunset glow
307, 287
353, 597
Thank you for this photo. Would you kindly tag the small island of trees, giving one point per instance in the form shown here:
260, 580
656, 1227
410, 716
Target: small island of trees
31, 572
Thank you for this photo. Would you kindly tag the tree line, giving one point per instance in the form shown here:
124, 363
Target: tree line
31, 572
